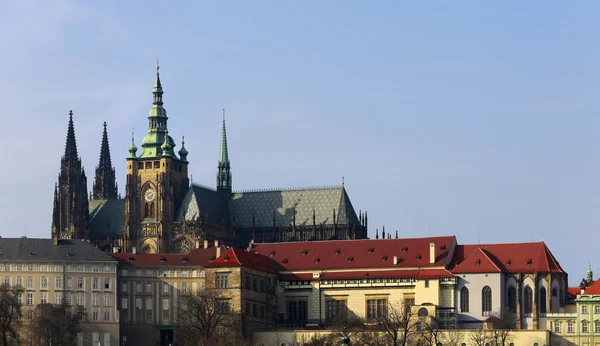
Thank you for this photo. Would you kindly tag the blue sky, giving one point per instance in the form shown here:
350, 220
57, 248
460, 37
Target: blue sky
479, 118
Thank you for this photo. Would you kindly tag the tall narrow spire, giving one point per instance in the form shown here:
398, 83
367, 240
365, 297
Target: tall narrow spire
105, 186
224, 168
71, 145
157, 124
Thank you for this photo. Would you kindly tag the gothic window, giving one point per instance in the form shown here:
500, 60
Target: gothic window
511, 303
486, 300
528, 299
464, 299
152, 210
423, 312
146, 210
543, 300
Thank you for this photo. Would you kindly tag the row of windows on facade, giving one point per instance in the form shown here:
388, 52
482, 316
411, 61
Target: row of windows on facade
253, 283
143, 310
571, 327
149, 165
58, 297
511, 303
297, 310
57, 268
166, 287
95, 338
58, 282
164, 273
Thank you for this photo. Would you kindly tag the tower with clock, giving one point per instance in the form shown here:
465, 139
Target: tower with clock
157, 181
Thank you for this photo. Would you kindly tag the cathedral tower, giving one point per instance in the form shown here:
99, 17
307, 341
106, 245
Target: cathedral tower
70, 217
157, 181
105, 186
223, 167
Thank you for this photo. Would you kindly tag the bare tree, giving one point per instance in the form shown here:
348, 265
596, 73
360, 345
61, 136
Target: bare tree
479, 337
453, 337
501, 324
205, 318
430, 330
57, 324
9, 310
397, 323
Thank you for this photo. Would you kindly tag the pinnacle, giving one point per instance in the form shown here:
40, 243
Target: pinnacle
71, 144
224, 154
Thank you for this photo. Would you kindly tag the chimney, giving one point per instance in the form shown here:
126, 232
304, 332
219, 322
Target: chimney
206, 244
395, 260
115, 249
133, 250
431, 253
54, 239
216, 243
218, 254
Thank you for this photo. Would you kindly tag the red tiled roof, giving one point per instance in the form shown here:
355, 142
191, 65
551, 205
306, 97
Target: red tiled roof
574, 291
434, 274
512, 258
351, 254
373, 274
196, 257
594, 288
477, 262
297, 277
237, 257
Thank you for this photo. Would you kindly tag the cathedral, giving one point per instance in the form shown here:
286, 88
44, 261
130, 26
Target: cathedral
162, 212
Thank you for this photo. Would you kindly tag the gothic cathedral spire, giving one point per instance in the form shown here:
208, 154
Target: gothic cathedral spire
224, 168
105, 186
71, 219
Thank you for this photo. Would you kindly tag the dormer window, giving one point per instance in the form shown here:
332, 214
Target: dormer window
68, 254
272, 254
404, 249
131, 258
337, 252
384, 258
371, 250
443, 247
529, 261
477, 263
162, 259
185, 259
226, 258
285, 260
317, 260
304, 252
350, 259
418, 258
508, 263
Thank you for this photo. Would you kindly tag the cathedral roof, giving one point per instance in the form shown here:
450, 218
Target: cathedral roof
260, 207
34, 249
203, 201
107, 217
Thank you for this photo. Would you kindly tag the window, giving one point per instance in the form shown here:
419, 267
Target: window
69, 283
528, 300
569, 327
69, 298
138, 287
166, 288
19, 267
106, 283
95, 283
336, 310
486, 300
148, 303
138, 303
426, 283
19, 282
376, 308
464, 299
557, 327
597, 309
30, 315
542, 300
7, 267
597, 327
584, 309
297, 310
43, 298
79, 339
95, 299
58, 298
124, 287
165, 303
107, 339
107, 299
20, 299
95, 316
57, 282
7, 281
148, 288
247, 282
124, 303
29, 298
584, 327
29, 282
184, 273
107, 315
80, 298
222, 280
30, 267
44, 283
184, 288
44, 267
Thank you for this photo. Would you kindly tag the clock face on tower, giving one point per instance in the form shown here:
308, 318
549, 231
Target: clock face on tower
149, 195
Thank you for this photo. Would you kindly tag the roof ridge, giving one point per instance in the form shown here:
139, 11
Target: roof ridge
485, 253
324, 187
548, 252
513, 243
357, 240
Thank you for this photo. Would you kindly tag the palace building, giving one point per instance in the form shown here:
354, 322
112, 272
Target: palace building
161, 212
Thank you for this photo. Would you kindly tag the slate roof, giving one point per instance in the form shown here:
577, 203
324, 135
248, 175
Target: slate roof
237, 257
263, 205
201, 201
35, 249
107, 217
196, 257
355, 254
510, 258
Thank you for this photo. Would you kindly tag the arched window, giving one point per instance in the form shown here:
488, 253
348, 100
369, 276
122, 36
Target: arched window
542, 300
554, 292
423, 312
528, 299
152, 210
486, 300
464, 299
511, 302
146, 210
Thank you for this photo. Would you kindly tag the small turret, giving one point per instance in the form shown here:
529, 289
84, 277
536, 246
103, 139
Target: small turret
166, 147
132, 148
183, 153
590, 275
